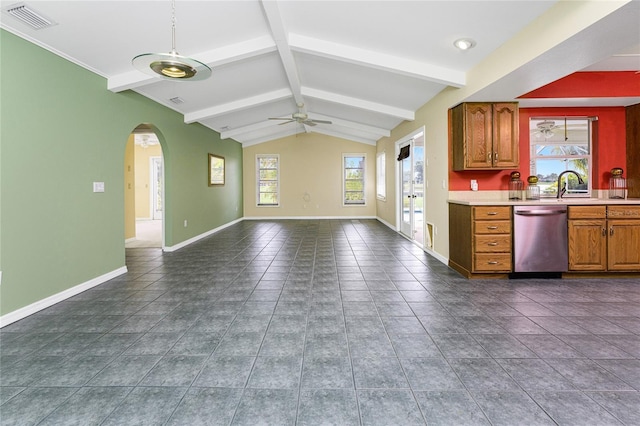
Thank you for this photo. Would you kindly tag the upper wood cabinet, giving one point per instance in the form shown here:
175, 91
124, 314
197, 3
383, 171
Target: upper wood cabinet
485, 136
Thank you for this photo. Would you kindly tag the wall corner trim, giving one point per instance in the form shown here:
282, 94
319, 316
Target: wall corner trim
24, 312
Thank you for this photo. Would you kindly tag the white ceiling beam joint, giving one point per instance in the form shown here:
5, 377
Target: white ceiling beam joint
377, 60
214, 58
278, 31
402, 113
239, 105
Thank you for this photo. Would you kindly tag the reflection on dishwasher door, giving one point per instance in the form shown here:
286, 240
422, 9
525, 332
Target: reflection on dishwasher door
540, 239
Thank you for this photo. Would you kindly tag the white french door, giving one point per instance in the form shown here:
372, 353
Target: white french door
411, 173
156, 188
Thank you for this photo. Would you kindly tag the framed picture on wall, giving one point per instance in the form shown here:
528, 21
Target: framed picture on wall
216, 170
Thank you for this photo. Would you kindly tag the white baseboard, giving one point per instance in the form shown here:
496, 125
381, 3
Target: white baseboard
24, 312
130, 240
199, 237
387, 224
438, 256
309, 217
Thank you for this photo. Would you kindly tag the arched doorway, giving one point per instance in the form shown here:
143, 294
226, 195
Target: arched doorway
144, 189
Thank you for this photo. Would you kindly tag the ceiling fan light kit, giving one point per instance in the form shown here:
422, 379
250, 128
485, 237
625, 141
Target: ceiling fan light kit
172, 66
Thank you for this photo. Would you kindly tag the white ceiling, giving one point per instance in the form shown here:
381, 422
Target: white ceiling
364, 65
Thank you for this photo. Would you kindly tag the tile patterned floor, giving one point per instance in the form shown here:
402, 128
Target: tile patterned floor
323, 322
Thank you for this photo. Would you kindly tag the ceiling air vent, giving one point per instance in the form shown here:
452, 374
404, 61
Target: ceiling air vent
27, 15
177, 100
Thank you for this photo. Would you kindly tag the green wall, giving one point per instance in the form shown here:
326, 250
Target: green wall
61, 130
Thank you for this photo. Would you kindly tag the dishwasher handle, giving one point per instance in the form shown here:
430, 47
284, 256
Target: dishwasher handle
539, 212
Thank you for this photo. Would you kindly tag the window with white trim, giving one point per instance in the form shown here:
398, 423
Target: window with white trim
353, 179
559, 144
268, 182
381, 185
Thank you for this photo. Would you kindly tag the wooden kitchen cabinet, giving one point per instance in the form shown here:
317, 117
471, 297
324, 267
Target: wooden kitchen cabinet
485, 136
623, 238
604, 238
480, 239
587, 238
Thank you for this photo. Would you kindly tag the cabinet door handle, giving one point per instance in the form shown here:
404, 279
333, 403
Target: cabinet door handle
489, 157
492, 244
495, 157
611, 230
604, 232
492, 227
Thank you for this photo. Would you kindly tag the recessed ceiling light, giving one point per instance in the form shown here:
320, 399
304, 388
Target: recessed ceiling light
464, 43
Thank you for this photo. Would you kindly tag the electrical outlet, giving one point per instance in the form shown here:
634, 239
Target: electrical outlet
185, 223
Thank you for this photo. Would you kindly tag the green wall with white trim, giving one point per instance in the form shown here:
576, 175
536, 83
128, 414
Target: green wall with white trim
61, 130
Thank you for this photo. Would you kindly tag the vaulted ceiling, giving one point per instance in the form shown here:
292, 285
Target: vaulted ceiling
365, 66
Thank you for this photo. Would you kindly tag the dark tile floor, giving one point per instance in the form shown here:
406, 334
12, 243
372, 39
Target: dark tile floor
323, 322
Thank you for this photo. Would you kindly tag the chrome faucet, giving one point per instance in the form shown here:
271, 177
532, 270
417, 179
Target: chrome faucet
564, 187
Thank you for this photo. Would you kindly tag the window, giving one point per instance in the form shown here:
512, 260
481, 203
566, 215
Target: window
559, 144
381, 186
268, 180
353, 179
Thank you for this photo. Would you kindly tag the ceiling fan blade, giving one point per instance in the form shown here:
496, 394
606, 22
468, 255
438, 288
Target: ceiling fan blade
279, 118
286, 122
308, 122
321, 121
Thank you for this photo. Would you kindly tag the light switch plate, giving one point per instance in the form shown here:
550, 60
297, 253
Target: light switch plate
98, 186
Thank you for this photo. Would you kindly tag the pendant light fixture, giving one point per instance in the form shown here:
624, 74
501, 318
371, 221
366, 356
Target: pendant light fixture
172, 66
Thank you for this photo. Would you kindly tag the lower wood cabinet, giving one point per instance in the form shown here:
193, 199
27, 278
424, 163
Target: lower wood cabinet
623, 238
480, 239
604, 238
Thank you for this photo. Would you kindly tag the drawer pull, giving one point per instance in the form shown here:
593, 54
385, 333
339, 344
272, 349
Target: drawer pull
492, 227
493, 244
493, 262
492, 213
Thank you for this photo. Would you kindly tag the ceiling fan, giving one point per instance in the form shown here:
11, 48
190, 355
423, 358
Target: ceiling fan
300, 117
546, 129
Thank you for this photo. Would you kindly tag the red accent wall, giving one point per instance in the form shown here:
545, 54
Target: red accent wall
593, 84
609, 148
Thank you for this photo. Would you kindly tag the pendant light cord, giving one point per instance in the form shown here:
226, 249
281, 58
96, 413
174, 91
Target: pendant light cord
173, 27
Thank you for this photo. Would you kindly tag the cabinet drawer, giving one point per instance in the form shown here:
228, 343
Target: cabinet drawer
587, 212
492, 213
500, 243
623, 212
492, 227
492, 262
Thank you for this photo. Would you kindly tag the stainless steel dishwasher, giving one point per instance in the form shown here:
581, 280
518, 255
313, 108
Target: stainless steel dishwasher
540, 238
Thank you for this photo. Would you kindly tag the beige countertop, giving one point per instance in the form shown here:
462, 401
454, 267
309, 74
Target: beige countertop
499, 198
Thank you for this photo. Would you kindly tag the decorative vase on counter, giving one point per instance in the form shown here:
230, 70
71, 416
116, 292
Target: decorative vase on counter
515, 186
533, 190
617, 184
